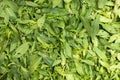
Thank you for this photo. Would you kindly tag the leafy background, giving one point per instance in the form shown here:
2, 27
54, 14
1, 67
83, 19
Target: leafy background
59, 39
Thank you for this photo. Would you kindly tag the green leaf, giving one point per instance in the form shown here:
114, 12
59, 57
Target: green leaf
2, 59
44, 44
32, 4
113, 67
85, 43
13, 28
113, 37
101, 54
89, 62
24, 72
68, 50
117, 40
43, 72
95, 41
67, 1
70, 77
109, 3
11, 13
102, 33
6, 18
56, 3
13, 46
79, 68
114, 46
21, 50
101, 3
95, 26
60, 71
63, 62
35, 60
41, 21
83, 11
105, 64
105, 19
86, 25
48, 61
25, 21
59, 39
41, 1
109, 28
56, 62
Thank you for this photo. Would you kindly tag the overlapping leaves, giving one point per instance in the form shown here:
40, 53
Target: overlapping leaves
59, 40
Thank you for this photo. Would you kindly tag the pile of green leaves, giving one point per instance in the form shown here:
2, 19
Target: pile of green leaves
59, 39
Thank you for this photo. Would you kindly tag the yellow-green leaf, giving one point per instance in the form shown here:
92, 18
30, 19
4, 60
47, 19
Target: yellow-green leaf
41, 21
